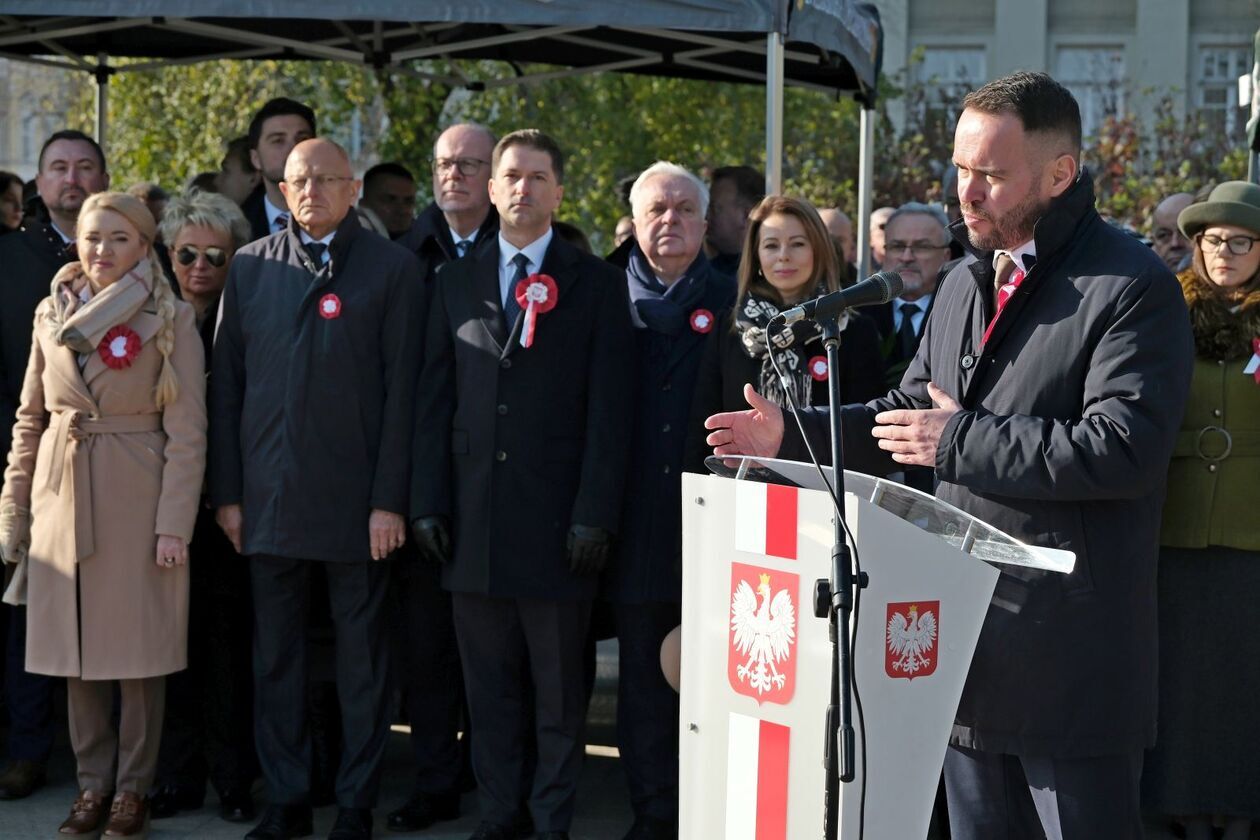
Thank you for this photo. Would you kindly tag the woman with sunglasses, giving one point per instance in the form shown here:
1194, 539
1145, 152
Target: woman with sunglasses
1203, 768
208, 733
99, 500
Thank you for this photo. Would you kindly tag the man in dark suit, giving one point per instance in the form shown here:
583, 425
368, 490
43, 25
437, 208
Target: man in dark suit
278, 126
460, 218
1047, 393
519, 469
312, 395
71, 167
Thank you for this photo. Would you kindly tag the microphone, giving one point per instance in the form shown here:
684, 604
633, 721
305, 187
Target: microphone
876, 289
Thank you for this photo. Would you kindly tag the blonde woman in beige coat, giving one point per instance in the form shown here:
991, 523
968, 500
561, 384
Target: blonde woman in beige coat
99, 501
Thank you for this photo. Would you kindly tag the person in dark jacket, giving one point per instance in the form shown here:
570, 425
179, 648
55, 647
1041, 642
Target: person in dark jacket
207, 732
1047, 394
278, 126
312, 394
674, 293
520, 466
71, 167
788, 258
460, 218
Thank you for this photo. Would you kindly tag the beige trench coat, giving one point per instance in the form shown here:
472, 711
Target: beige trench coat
103, 472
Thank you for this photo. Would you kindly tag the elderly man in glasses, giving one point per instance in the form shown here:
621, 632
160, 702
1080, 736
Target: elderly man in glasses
312, 393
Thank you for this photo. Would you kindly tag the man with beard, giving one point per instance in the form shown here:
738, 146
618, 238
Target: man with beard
71, 167
279, 125
1166, 239
1047, 393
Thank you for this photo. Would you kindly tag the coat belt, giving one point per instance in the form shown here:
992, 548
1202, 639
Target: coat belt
70, 429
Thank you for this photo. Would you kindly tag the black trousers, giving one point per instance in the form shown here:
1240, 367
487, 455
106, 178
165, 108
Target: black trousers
515, 649
993, 796
208, 730
647, 709
357, 601
428, 670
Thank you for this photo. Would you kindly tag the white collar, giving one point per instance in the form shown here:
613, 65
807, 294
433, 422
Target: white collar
307, 238
1019, 255
922, 301
272, 212
60, 232
534, 251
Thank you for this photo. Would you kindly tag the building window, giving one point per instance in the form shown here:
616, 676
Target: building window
947, 74
1095, 75
1216, 89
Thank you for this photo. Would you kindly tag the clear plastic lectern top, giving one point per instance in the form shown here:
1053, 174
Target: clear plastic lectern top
956, 527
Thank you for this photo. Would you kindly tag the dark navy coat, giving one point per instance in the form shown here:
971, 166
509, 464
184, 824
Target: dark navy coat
429, 238
649, 553
312, 416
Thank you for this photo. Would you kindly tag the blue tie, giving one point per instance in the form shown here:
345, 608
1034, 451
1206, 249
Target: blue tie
461, 247
510, 307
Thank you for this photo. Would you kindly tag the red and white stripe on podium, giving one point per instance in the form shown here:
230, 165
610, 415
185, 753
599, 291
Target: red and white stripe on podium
756, 779
765, 519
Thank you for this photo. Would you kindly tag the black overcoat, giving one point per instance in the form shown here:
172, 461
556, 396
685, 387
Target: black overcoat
516, 444
1070, 413
649, 553
429, 238
312, 416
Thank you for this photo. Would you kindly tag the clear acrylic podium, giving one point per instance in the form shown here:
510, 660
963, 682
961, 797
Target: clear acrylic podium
756, 662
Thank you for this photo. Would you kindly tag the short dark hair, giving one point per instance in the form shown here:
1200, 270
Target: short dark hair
205, 182
750, 185
72, 134
1043, 105
8, 179
534, 139
279, 107
388, 168
238, 150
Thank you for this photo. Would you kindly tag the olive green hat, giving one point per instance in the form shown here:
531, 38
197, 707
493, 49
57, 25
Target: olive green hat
1231, 203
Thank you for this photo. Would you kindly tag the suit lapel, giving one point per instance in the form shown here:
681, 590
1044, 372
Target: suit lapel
483, 293
66, 363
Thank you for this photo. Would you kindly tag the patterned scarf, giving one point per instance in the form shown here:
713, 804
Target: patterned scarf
81, 324
1224, 325
790, 348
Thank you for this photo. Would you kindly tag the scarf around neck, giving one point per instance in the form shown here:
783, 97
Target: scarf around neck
81, 324
660, 308
790, 347
1223, 329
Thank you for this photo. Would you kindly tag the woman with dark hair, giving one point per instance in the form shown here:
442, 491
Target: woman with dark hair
1203, 767
10, 202
788, 258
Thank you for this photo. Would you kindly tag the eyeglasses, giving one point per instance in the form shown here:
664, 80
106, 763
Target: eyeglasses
187, 255
467, 166
1238, 245
919, 249
322, 181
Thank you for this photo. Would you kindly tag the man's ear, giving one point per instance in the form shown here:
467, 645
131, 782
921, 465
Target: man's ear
1061, 173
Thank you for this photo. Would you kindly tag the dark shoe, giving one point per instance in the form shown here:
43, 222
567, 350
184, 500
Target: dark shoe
21, 778
169, 800
651, 828
494, 831
87, 814
236, 805
283, 822
422, 811
352, 824
128, 815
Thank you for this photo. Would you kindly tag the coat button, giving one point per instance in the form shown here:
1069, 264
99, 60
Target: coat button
968, 361
500, 456
665, 387
1216, 412
505, 364
665, 428
1211, 467
667, 469
1220, 363
502, 410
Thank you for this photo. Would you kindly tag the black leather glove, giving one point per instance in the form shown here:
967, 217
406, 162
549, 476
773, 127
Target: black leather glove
589, 548
433, 538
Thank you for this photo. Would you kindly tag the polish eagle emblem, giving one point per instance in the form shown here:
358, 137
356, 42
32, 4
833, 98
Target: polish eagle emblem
910, 637
763, 635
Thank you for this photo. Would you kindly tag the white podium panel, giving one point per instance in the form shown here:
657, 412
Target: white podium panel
756, 663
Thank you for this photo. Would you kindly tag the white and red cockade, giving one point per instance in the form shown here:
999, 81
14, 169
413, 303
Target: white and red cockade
536, 294
119, 347
818, 368
330, 306
702, 321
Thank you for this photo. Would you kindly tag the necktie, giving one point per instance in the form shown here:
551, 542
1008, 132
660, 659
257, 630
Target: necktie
1006, 280
316, 250
905, 333
281, 222
510, 307
461, 247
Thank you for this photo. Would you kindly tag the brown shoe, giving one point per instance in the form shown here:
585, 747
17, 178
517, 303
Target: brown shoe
128, 816
86, 815
21, 778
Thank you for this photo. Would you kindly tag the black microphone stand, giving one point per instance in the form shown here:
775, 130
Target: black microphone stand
833, 600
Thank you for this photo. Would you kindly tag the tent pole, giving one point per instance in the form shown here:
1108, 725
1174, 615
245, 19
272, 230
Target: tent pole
866, 186
774, 113
102, 97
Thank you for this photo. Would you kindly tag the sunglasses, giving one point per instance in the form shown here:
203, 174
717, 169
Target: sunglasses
187, 255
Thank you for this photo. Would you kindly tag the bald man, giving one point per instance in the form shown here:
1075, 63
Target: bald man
879, 218
313, 385
1166, 238
840, 226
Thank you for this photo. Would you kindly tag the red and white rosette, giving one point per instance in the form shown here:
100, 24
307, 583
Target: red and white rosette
330, 306
536, 294
702, 321
818, 368
119, 347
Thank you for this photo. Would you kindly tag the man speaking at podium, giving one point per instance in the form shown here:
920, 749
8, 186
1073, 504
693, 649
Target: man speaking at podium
1046, 393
